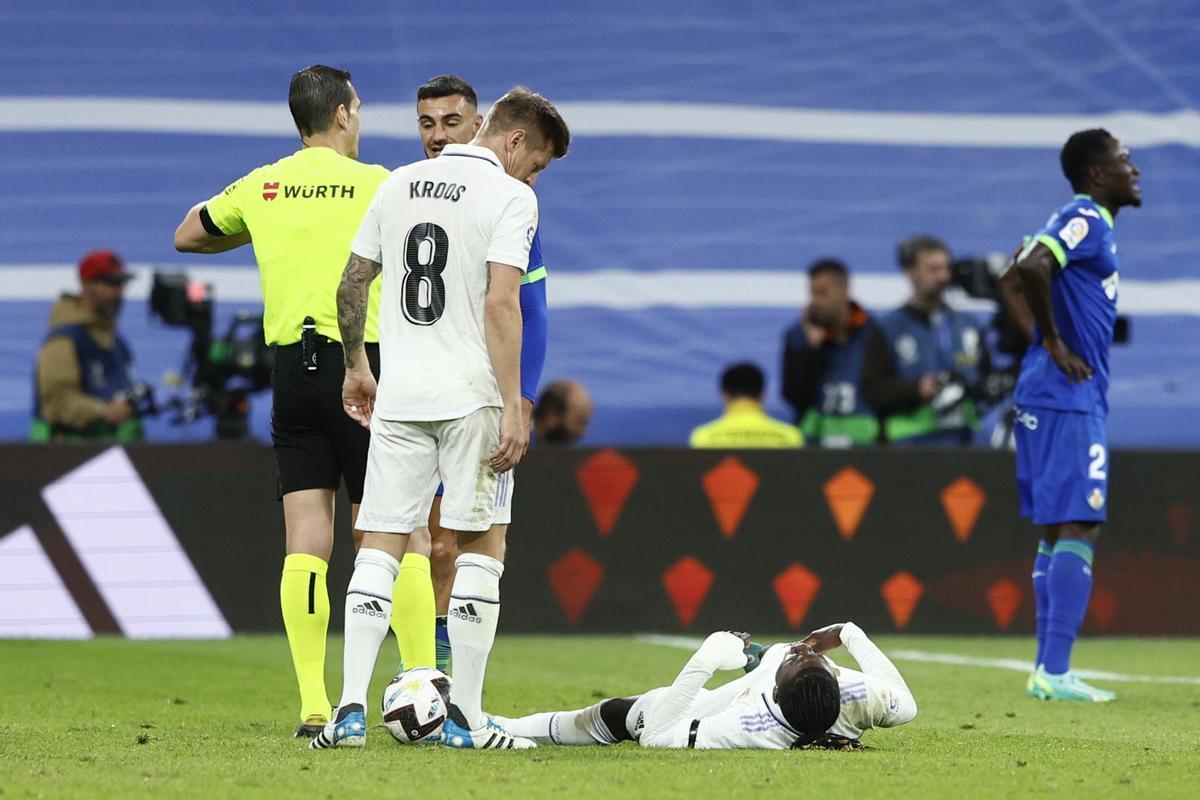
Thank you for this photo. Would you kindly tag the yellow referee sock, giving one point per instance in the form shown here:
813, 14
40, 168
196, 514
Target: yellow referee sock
305, 604
413, 611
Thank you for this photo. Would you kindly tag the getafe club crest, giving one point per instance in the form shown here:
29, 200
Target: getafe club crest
1096, 499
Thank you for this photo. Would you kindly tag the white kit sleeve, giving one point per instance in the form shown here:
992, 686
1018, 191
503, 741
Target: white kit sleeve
668, 724
893, 703
512, 236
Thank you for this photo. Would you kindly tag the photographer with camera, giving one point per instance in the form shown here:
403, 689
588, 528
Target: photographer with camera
85, 387
924, 365
302, 213
822, 362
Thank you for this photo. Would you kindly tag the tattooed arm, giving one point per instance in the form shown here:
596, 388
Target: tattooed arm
352, 306
359, 386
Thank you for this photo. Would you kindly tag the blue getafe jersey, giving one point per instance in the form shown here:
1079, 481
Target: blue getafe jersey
1083, 296
534, 320
535, 258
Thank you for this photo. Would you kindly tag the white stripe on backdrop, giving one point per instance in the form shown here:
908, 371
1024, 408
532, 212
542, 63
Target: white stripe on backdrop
611, 118
618, 289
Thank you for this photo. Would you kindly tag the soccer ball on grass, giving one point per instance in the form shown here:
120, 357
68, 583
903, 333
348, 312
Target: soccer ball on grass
415, 704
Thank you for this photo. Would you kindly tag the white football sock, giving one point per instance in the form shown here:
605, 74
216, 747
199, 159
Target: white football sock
368, 613
582, 726
474, 612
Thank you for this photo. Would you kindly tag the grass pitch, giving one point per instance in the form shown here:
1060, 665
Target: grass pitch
114, 718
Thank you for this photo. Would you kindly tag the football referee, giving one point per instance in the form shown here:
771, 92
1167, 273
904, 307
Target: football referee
302, 213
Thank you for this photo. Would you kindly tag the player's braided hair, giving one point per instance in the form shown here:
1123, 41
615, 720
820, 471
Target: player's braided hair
810, 703
1081, 151
829, 742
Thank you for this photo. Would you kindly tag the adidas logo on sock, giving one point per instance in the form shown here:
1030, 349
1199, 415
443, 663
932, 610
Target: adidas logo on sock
371, 608
466, 613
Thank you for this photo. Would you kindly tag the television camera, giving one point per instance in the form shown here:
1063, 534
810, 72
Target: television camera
219, 372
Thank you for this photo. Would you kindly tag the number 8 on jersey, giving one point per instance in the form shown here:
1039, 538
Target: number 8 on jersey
426, 250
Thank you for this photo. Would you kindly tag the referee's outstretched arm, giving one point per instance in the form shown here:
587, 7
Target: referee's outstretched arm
194, 236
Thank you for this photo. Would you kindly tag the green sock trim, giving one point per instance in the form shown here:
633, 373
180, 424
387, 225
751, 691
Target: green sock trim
1075, 547
1045, 549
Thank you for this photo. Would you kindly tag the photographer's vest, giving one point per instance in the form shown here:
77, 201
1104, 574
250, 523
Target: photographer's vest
947, 343
103, 374
840, 417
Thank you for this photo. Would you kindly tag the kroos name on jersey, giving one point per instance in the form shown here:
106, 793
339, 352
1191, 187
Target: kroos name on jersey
435, 191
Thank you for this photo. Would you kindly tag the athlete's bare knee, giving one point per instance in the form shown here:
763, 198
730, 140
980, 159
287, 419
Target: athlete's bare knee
394, 544
1084, 531
419, 543
443, 550
613, 713
487, 543
308, 521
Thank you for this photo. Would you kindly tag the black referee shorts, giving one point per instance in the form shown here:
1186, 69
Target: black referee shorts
317, 445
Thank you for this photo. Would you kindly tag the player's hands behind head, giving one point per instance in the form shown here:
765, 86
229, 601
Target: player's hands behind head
825, 639
514, 441
358, 395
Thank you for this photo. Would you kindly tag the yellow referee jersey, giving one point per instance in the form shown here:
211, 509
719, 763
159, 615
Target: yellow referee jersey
302, 213
745, 425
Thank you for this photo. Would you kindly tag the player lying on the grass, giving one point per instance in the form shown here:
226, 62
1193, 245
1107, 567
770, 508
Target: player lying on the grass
794, 697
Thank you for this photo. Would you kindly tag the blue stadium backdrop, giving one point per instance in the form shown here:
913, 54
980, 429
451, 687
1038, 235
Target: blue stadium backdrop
719, 148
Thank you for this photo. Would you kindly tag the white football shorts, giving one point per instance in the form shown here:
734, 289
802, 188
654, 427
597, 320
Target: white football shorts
407, 461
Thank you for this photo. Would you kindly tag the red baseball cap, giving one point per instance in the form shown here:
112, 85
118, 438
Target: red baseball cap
103, 265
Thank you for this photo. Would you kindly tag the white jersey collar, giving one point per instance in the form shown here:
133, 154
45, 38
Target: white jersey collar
471, 151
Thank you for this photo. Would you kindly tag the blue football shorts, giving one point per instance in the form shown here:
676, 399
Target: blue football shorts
1062, 466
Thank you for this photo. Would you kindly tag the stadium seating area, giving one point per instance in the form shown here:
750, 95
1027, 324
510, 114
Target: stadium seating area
717, 152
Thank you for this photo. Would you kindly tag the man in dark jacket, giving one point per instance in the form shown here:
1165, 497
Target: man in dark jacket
822, 362
925, 364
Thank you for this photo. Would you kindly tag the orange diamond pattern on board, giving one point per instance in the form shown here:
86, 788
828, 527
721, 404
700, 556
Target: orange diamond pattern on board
687, 583
1004, 598
901, 592
606, 480
796, 587
574, 579
730, 487
962, 501
848, 494
1103, 607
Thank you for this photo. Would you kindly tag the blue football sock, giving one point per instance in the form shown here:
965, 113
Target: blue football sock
1041, 596
1069, 585
442, 643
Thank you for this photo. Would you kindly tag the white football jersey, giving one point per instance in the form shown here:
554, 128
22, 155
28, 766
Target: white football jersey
434, 225
743, 713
